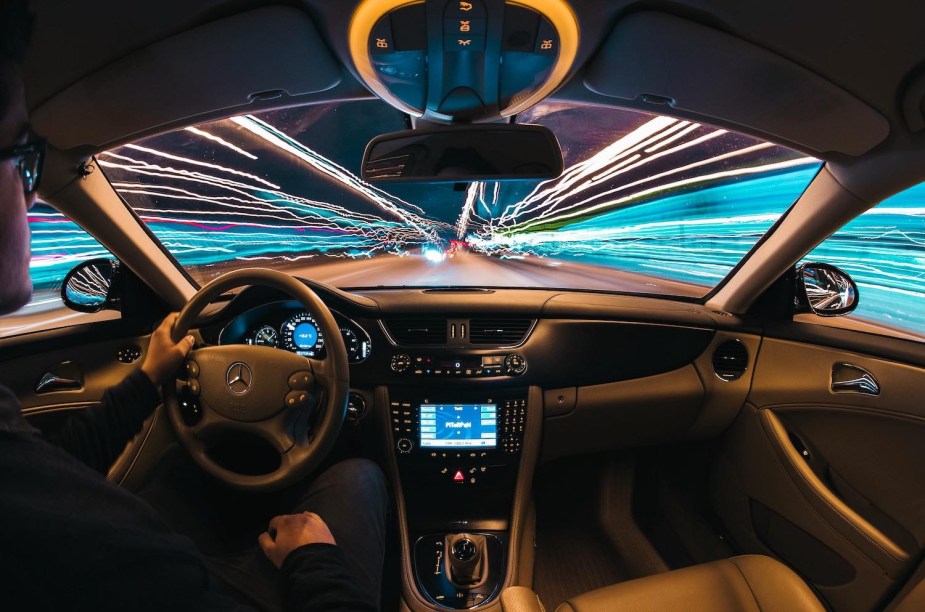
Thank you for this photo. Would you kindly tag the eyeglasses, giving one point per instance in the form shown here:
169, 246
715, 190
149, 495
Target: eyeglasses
29, 158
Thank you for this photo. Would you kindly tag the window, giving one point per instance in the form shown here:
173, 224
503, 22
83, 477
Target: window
58, 244
647, 204
883, 250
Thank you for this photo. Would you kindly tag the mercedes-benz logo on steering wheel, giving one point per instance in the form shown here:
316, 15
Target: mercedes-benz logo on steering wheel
239, 378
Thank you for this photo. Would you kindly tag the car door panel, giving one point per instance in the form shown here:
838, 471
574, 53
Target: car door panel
104, 354
830, 482
98, 361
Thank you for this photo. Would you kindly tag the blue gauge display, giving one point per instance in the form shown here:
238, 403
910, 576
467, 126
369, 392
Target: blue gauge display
302, 335
305, 335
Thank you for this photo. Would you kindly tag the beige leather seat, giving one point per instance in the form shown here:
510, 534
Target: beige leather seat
751, 583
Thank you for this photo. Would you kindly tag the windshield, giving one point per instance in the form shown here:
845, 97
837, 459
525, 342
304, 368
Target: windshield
647, 204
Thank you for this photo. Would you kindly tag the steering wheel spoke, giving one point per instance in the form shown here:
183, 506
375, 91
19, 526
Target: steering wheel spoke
260, 391
324, 373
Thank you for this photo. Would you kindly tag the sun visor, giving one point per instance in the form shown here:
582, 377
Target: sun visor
221, 65
697, 69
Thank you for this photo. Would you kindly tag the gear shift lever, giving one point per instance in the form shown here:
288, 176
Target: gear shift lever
466, 561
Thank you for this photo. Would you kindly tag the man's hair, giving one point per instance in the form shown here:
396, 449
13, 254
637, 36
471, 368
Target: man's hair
15, 31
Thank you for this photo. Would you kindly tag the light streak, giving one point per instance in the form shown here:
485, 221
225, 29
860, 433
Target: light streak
196, 162
472, 193
670, 199
220, 141
377, 196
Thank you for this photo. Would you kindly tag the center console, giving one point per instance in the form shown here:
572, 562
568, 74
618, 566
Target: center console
458, 456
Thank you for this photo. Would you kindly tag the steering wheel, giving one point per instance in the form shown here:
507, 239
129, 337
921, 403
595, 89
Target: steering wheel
295, 403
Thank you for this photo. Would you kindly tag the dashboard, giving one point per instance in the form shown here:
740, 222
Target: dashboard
612, 371
287, 325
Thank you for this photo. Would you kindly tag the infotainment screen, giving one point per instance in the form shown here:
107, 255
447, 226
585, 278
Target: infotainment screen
459, 425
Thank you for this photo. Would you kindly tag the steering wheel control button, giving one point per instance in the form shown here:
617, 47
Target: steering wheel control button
401, 363
193, 387
294, 399
404, 445
301, 381
190, 410
192, 369
239, 378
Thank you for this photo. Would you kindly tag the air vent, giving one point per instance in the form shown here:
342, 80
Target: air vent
730, 360
416, 332
498, 332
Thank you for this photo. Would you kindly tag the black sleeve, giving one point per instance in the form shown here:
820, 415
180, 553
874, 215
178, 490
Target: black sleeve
98, 435
315, 577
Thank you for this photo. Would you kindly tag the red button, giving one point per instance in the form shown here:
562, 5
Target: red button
459, 476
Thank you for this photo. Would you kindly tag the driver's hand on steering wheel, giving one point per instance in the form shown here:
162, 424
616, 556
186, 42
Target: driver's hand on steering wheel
164, 355
290, 531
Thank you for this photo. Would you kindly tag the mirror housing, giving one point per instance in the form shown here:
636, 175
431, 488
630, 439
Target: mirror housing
91, 286
463, 153
825, 290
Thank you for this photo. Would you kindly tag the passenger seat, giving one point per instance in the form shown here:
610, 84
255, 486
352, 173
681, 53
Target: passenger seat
749, 583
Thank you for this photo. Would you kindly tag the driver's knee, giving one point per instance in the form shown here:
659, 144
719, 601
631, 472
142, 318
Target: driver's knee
361, 475
348, 487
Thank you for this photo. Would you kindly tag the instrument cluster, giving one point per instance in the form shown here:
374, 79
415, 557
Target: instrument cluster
298, 331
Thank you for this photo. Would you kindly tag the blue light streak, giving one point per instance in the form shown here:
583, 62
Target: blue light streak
883, 250
664, 198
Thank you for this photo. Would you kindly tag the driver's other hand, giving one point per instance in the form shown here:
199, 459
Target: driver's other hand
292, 531
164, 355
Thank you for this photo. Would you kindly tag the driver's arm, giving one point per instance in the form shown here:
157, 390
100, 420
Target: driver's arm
313, 571
98, 435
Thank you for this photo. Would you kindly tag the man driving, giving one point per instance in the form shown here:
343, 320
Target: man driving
73, 540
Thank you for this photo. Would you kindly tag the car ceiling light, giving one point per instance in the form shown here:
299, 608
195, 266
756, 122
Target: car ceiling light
460, 61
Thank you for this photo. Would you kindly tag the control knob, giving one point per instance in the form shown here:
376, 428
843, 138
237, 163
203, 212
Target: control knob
404, 445
401, 362
515, 365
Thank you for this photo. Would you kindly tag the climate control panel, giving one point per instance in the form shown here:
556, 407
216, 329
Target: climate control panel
459, 366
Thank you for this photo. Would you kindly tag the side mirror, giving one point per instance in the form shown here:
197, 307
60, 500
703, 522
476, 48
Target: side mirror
91, 286
463, 153
825, 290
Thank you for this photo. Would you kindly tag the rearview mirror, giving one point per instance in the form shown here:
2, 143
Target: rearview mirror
464, 153
90, 286
825, 290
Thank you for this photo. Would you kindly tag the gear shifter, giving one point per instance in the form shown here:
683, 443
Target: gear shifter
466, 561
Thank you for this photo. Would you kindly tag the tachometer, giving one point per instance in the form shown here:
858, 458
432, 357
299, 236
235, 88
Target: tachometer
264, 336
302, 335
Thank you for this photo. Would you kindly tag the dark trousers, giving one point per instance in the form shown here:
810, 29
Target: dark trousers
350, 496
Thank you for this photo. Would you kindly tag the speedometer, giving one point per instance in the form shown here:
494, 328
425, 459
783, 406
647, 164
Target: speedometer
302, 335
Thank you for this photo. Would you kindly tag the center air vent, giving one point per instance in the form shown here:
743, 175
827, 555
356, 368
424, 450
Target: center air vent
730, 360
499, 332
418, 331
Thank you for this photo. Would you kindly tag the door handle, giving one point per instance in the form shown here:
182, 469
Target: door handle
66, 376
847, 378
